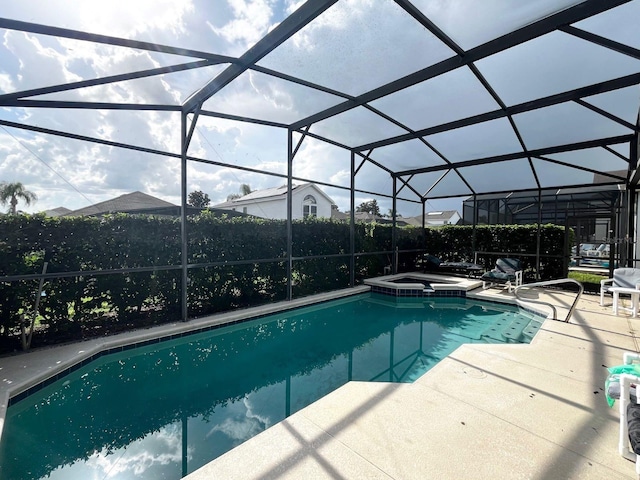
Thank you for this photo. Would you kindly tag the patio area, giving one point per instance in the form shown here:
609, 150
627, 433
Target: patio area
487, 411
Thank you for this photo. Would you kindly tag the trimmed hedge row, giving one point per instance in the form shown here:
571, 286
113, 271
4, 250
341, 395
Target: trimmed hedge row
82, 306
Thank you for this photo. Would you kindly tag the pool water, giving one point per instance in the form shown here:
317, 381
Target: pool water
162, 411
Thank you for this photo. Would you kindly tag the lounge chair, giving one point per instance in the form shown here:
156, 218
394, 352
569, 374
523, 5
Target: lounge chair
433, 264
507, 272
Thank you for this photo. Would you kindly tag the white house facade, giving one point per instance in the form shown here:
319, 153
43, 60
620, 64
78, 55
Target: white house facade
307, 201
446, 217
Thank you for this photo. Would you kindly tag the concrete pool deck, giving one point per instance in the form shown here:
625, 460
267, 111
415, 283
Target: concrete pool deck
533, 411
486, 411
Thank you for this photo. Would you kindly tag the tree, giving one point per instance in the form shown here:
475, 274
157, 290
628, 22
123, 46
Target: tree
199, 199
11, 193
370, 207
245, 189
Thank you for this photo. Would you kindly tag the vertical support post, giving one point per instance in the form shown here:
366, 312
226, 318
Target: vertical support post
538, 234
183, 217
631, 228
289, 213
393, 228
613, 231
424, 233
352, 224
632, 221
473, 228
566, 258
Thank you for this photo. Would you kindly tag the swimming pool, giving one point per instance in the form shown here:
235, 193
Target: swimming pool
164, 410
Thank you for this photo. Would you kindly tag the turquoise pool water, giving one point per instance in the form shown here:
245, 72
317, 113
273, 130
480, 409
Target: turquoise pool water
162, 411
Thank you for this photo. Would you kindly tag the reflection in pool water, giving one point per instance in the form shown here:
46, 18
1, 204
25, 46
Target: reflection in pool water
163, 411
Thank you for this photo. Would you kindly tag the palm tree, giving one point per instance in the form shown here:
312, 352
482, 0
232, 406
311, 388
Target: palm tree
11, 192
245, 189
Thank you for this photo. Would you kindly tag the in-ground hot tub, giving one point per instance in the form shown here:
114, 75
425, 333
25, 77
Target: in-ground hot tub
422, 285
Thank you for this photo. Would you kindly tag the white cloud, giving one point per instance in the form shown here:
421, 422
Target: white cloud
116, 17
293, 5
251, 20
161, 448
36, 58
6, 83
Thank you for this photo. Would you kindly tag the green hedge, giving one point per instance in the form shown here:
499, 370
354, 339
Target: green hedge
455, 243
82, 306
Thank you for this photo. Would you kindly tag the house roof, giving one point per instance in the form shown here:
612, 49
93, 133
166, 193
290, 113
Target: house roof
270, 193
57, 212
439, 216
127, 203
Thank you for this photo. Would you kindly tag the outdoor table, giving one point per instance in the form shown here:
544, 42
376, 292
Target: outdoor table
633, 292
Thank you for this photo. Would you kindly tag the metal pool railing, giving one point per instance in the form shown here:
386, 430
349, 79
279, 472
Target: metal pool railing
546, 283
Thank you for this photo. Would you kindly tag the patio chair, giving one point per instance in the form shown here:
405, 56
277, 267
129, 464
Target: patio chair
507, 272
623, 278
433, 264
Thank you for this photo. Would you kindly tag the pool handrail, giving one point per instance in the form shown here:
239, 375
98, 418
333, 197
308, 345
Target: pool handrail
547, 283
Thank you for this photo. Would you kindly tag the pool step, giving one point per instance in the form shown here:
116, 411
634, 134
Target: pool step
514, 331
495, 329
508, 329
531, 330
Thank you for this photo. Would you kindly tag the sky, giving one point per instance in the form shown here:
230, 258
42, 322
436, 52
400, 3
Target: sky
75, 174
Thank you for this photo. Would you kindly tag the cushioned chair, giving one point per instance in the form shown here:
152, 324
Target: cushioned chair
507, 272
435, 265
626, 277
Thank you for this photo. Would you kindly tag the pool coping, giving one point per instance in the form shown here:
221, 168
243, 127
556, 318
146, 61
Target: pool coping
440, 285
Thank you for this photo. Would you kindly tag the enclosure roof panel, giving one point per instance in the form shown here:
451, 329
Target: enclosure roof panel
356, 46
451, 96
554, 63
265, 97
470, 23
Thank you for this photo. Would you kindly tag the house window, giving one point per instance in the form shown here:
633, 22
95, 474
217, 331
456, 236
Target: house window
309, 207
244, 209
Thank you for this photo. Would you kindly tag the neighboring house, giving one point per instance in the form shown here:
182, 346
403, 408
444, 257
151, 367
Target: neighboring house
366, 217
445, 217
136, 202
57, 212
307, 201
